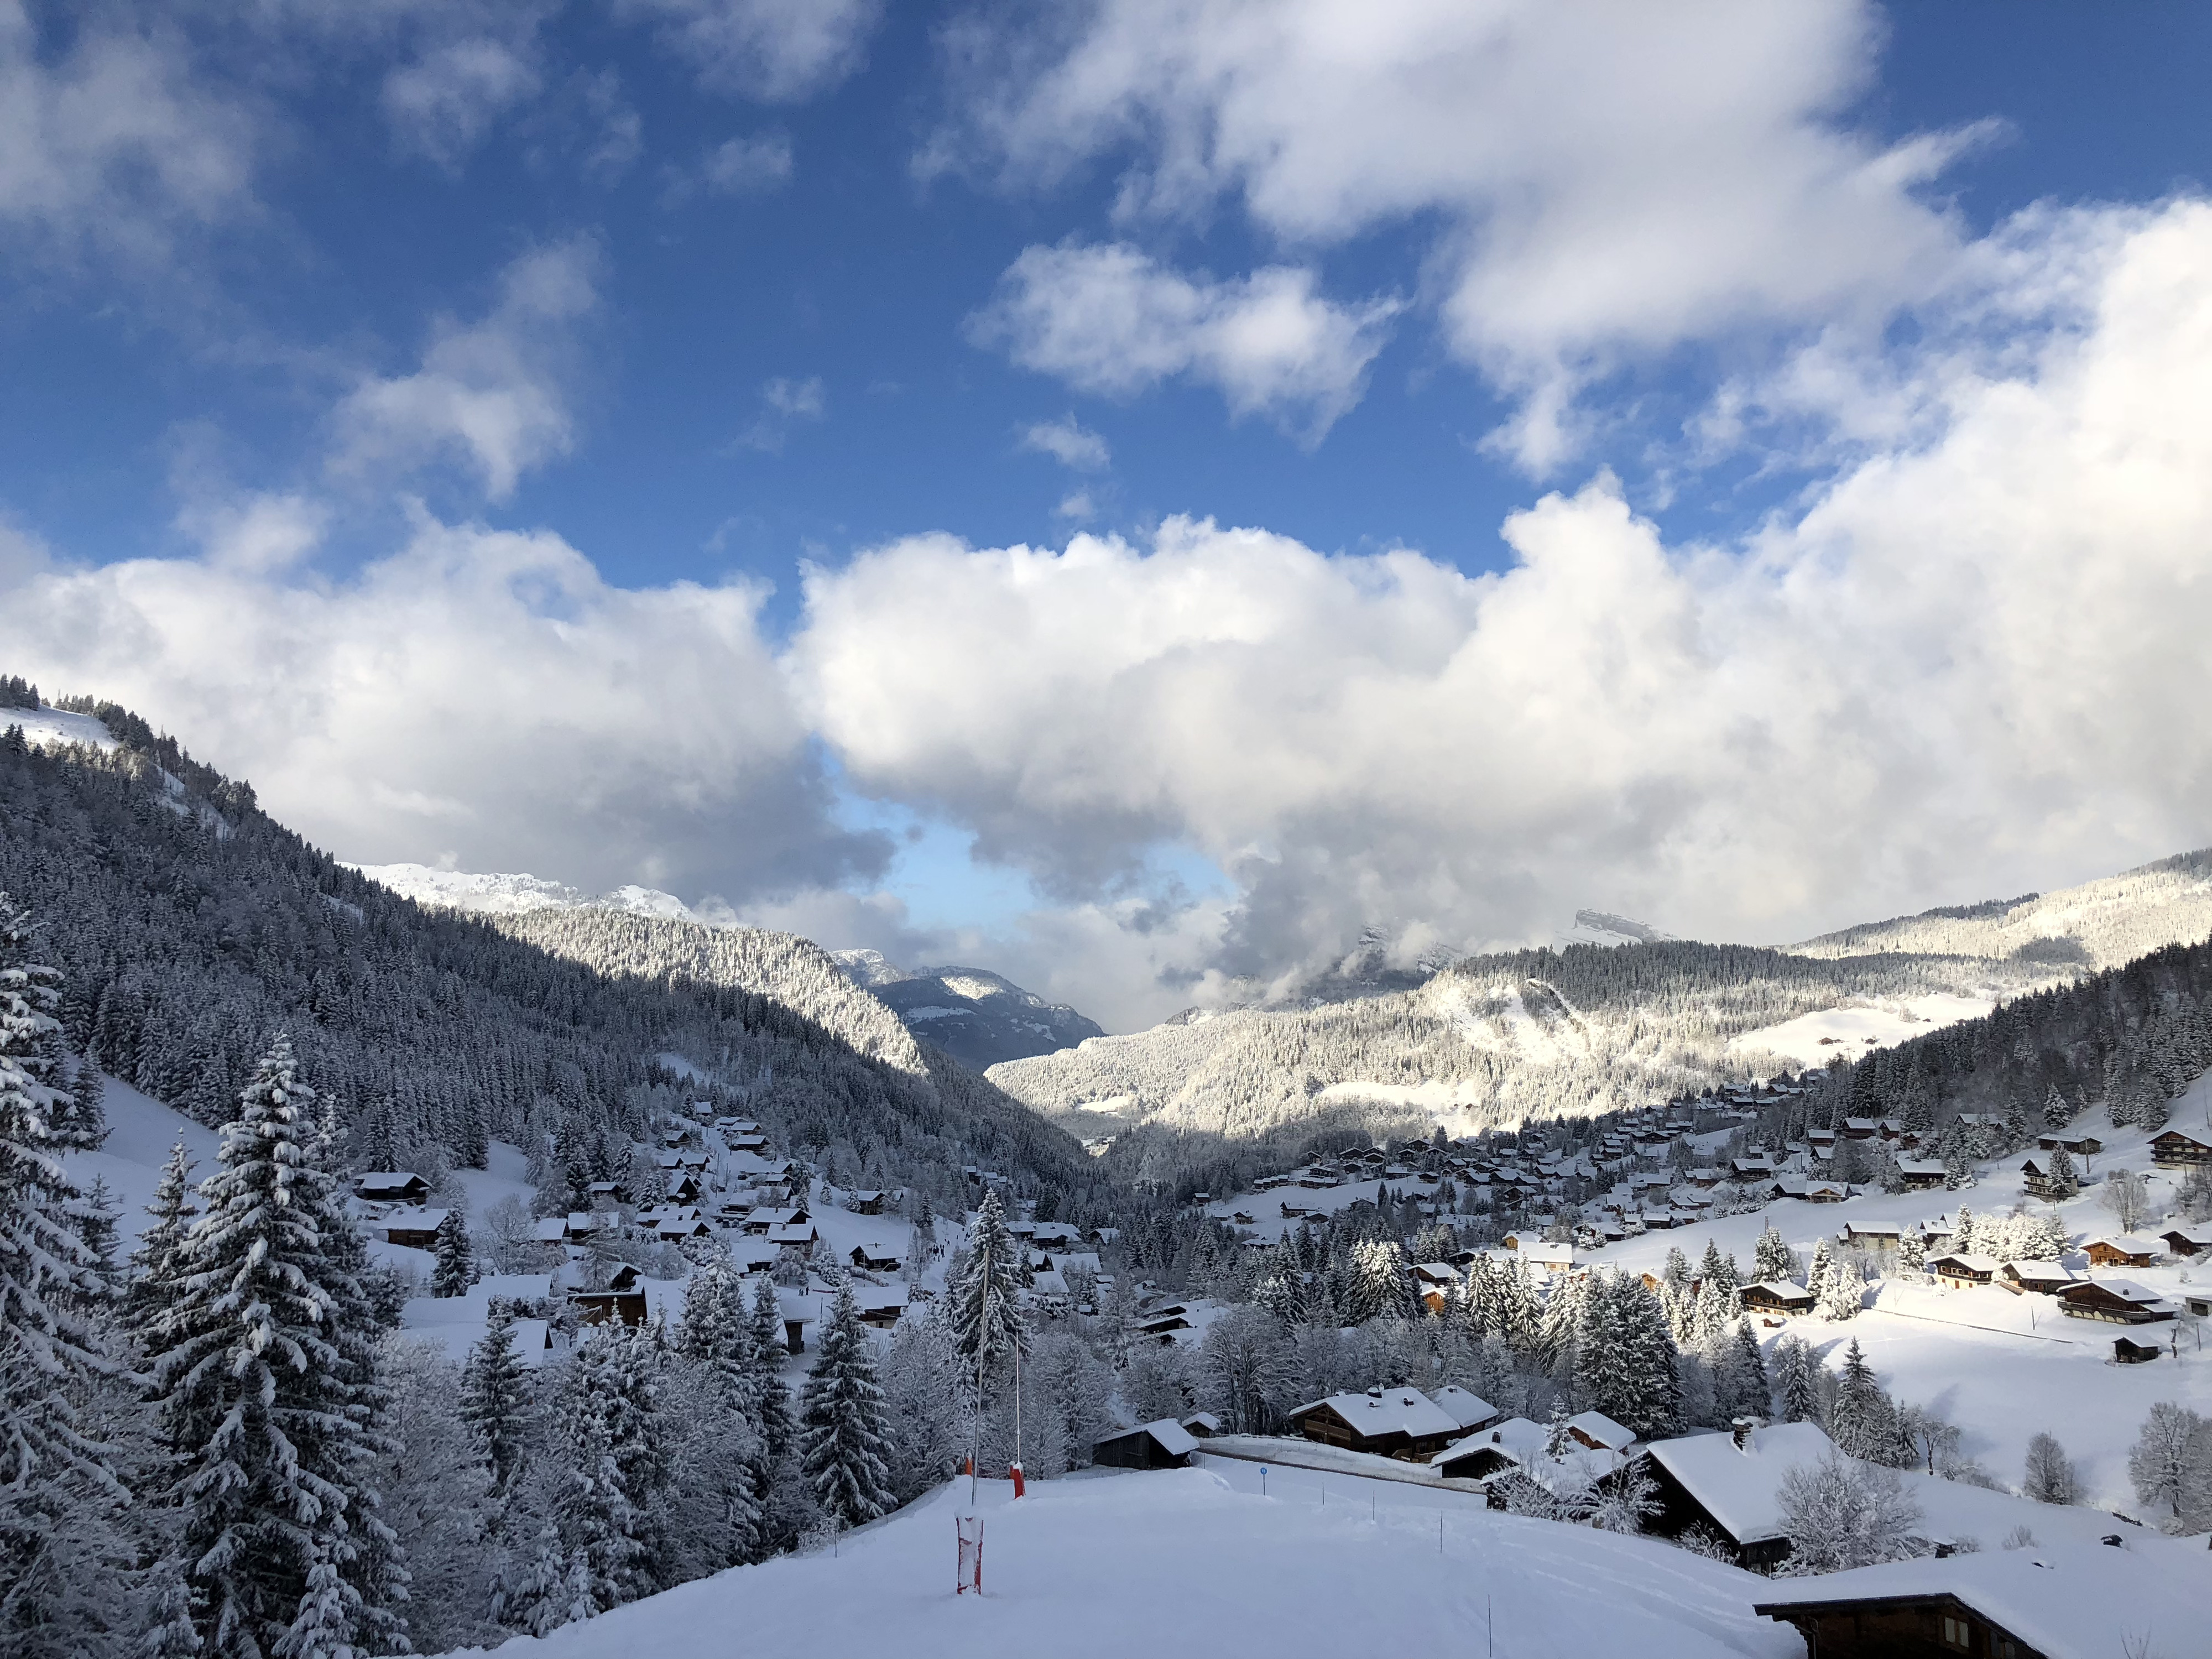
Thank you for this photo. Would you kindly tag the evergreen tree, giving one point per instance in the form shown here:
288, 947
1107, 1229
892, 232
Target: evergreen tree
844, 1435
1816, 1272
1796, 1382
51, 1356
617, 1467
2061, 1182
987, 1324
454, 1272
1963, 1242
1911, 1249
2057, 1115
1747, 1372
1863, 1422
1773, 1260
769, 1398
269, 1396
494, 1396
1627, 1367
1842, 1292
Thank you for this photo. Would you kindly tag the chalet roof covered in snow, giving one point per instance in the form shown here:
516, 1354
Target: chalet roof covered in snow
1467, 1409
1388, 1411
1601, 1431
1738, 1485
2075, 1601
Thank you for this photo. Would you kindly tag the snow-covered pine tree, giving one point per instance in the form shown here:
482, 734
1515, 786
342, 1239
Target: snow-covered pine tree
609, 1511
1677, 1270
1911, 1249
987, 1322
1963, 1242
769, 1398
1842, 1291
1863, 1422
50, 1354
1816, 1270
269, 1397
1772, 1259
1628, 1359
455, 1271
2061, 1183
1747, 1370
494, 1396
1794, 1384
717, 1332
1719, 1271
844, 1434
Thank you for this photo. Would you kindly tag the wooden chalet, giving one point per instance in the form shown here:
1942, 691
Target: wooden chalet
2116, 1301
390, 1187
2126, 1352
2076, 1145
417, 1229
1964, 1272
874, 1259
2037, 1278
2187, 1241
1922, 1174
2171, 1149
1779, 1297
865, 1203
1729, 1486
622, 1298
2064, 1601
1165, 1444
1401, 1423
2124, 1252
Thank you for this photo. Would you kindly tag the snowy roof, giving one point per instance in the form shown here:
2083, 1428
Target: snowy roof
2128, 1291
2131, 1244
1597, 1426
1970, 1262
1388, 1411
552, 1229
1737, 1484
1171, 1436
2074, 1601
1782, 1289
1465, 1409
386, 1178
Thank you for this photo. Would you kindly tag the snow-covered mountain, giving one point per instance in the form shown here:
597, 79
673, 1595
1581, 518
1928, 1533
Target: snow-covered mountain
979, 1018
1491, 1040
517, 895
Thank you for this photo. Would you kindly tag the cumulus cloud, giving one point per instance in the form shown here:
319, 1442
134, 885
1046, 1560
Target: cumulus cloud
493, 394
747, 167
1603, 181
1070, 443
1963, 668
1111, 320
478, 696
784, 402
778, 49
116, 146
442, 104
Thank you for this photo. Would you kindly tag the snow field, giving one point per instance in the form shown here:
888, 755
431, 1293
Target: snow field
1193, 1561
1848, 1027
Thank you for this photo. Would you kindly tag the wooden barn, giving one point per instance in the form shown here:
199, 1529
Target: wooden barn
2116, 1301
390, 1187
1165, 1444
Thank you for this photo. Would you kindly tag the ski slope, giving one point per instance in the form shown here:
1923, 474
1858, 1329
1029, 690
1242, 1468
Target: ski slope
1181, 1561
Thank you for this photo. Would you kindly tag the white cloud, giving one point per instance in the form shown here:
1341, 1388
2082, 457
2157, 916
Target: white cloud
116, 145
442, 104
479, 694
1070, 443
1077, 507
783, 403
1111, 320
492, 393
778, 49
1965, 668
1604, 180
747, 167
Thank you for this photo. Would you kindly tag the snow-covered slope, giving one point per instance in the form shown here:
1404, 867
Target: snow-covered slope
1187, 1561
2099, 924
516, 895
57, 725
977, 1017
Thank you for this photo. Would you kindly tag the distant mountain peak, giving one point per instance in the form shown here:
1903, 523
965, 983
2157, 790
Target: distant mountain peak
977, 1017
518, 894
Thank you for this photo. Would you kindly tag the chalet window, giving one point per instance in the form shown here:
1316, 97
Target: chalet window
1956, 1633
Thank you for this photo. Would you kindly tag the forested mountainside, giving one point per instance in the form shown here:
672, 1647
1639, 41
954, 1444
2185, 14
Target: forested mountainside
1490, 1041
977, 1017
189, 926
2099, 924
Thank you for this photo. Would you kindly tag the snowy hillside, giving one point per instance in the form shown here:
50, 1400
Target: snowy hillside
514, 895
1188, 1561
2099, 924
58, 726
977, 1017
1627, 1016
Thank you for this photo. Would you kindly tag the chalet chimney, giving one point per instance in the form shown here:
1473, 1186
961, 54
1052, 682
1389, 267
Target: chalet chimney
1742, 1429
1375, 1396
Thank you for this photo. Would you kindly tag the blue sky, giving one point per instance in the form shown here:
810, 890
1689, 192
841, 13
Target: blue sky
720, 292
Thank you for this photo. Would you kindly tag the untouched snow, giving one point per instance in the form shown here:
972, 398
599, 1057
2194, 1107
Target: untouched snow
57, 725
1183, 1561
140, 1132
514, 895
1815, 1039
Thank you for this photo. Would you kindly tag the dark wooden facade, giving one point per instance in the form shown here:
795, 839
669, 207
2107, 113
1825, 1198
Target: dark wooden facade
1137, 1449
1899, 1627
2175, 1148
